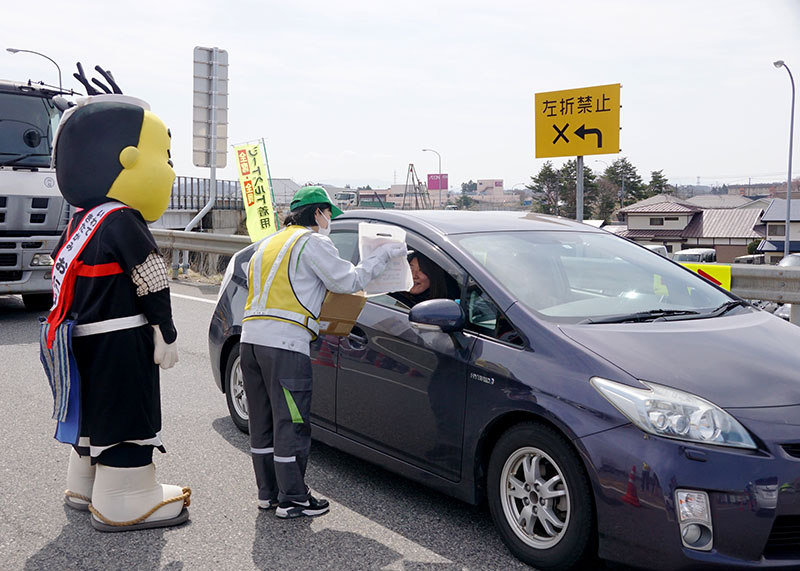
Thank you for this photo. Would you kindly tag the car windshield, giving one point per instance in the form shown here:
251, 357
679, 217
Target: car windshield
577, 276
27, 124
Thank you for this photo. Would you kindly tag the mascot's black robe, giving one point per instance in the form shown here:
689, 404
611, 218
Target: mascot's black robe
119, 380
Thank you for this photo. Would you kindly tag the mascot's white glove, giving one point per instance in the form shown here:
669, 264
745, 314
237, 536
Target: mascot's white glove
165, 354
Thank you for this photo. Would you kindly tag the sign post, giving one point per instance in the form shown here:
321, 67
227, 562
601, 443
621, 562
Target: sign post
210, 125
578, 122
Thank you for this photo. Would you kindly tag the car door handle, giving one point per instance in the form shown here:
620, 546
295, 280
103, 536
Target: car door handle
357, 337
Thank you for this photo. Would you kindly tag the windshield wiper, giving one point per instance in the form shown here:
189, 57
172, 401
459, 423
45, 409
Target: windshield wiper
726, 307
651, 315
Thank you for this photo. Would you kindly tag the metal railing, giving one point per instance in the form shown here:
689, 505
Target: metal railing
768, 283
192, 193
199, 241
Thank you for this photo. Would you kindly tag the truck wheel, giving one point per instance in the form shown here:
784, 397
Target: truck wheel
234, 390
37, 301
540, 499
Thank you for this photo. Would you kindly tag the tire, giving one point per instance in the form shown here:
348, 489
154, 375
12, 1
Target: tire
526, 460
37, 301
234, 390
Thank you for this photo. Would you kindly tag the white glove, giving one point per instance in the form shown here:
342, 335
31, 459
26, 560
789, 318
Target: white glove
165, 354
391, 250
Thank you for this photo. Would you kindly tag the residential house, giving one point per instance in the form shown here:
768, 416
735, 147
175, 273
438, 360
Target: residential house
775, 220
719, 201
679, 224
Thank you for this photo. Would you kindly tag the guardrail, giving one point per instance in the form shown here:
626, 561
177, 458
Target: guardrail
199, 241
770, 283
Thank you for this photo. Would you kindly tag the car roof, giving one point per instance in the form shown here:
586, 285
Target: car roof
447, 222
695, 250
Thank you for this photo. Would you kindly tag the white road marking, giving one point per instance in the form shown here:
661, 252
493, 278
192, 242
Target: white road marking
180, 295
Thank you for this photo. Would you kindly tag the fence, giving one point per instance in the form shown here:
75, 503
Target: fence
193, 193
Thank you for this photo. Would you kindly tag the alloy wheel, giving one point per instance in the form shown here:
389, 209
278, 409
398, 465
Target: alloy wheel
535, 498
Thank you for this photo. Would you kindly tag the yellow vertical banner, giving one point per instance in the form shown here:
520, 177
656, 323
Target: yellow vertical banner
254, 178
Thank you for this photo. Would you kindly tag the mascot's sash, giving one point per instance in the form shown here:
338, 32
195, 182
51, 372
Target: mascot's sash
64, 269
55, 337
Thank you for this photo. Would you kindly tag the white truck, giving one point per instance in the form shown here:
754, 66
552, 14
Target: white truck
33, 214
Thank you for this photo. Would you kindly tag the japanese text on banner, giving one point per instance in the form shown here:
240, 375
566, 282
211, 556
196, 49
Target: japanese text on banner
254, 178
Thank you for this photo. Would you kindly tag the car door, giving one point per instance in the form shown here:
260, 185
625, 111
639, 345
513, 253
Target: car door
324, 351
401, 389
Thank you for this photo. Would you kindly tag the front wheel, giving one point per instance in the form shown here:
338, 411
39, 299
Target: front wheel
540, 499
234, 390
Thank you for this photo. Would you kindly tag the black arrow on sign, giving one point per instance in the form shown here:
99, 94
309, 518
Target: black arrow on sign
582, 131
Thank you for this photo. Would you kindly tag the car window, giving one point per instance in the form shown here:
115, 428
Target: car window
484, 317
454, 274
346, 241
388, 300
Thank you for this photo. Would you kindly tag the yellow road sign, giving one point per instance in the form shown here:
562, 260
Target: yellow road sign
577, 122
719, 274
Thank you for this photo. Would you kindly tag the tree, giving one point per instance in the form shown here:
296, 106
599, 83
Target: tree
546, 189
606, 203
658, 183
464, 202
568, 175
624, 176
469, 186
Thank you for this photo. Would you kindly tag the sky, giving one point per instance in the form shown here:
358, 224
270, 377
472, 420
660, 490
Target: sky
350, 92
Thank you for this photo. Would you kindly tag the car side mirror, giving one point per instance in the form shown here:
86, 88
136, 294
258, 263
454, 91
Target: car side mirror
444, 313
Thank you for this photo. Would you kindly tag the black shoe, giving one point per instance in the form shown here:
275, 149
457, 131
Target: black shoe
311, 508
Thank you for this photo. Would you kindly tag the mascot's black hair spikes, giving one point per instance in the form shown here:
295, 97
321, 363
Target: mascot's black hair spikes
90, 90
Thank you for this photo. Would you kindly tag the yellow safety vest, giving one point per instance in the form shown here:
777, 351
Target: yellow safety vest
270, 293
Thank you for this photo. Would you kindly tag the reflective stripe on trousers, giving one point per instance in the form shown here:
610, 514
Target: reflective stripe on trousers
278, 387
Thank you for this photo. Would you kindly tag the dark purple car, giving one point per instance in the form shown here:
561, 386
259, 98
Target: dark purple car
604, 400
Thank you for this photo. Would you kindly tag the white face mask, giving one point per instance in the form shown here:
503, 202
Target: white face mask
327, 229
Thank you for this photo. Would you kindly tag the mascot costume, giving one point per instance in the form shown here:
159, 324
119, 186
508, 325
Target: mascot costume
111, 326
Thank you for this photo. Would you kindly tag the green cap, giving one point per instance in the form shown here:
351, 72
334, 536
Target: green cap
314, 195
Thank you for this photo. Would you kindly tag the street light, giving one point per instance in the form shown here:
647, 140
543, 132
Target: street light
780, 64
440, 174
15, 51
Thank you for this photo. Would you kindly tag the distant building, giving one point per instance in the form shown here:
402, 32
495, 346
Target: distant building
283, 190
489, 184
679, 224
775, 220
719, 201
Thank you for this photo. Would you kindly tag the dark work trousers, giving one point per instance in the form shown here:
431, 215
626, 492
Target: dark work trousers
277, 383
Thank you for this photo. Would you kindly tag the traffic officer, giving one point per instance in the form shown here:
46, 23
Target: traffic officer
288, 276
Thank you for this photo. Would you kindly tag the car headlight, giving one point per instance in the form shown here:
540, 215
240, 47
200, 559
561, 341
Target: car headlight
674, 414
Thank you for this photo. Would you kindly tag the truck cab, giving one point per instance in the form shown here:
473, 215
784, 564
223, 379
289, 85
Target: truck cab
33, 214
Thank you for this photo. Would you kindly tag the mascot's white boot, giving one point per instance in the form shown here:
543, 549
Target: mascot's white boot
130, 498
80, 480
